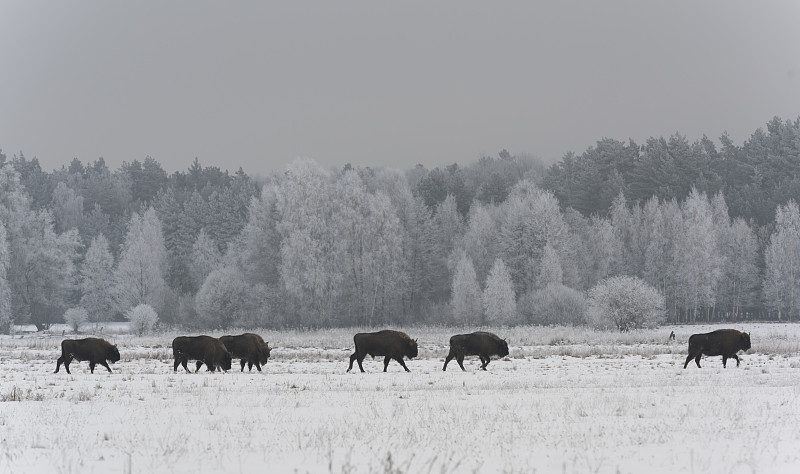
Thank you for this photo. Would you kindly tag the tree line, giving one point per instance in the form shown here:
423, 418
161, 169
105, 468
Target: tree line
703, 234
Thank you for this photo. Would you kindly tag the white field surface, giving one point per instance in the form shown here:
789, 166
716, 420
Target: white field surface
565, 400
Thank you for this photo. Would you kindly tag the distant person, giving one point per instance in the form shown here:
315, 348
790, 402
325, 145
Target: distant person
671, 335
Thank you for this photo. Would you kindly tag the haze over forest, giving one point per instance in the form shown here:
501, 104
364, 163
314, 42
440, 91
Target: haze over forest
503, 240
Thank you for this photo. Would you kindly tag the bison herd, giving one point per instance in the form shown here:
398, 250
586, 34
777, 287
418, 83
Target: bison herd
252, 350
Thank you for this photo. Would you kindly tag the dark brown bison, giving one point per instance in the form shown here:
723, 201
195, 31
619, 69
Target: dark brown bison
205, 349
481, 344
92, 349
249, 347
387, 343
724, 342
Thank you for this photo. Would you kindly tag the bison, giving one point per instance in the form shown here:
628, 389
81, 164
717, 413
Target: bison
92, 349
724, 342
249, 347
387, 343
205, 349
481, 344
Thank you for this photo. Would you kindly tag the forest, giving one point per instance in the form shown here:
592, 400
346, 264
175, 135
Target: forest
690, 232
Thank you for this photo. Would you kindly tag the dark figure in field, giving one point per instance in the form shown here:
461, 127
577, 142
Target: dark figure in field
724, 342
481, 344
92, 349
671, 336
249, 347
387, 343
205, 349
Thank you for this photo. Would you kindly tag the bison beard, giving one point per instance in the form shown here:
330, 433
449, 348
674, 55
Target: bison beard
249, 347
92, 349
724, 342
205, 349
481, 344
387, 343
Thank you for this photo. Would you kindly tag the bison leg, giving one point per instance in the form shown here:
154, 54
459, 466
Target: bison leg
91, 366
386, 362
258, 366
356, 357
724, 361
460, 360
734, 356
450, 357
398, 359
695, 357
58, 363
184, 361
105, 364
67, 360
485, 361
244, 362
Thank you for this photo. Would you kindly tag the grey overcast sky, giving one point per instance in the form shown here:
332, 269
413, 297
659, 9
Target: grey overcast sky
256, 84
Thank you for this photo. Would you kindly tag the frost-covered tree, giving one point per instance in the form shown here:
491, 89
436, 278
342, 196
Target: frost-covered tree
6, 318
531, 219
75, 318
550, 272
499, 299
782, 259
224, 300
67, 208
140, 274
624, 303
97, 280
466, 293
143, 318
310, 252
697, 255
205, 258
553, 304
480, 238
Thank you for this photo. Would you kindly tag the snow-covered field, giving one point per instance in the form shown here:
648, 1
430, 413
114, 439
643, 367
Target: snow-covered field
565, 400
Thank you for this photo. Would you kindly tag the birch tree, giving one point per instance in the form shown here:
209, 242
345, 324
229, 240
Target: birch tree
97, 280
140, 274
466, 293
782, 259
6, 317
499, 299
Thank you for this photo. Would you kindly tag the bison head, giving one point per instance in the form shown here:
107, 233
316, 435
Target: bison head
411, 349
503, 348
112, 355
265, 353
226, 361
744, 341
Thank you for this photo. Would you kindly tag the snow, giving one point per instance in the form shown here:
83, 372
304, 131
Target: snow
632, 409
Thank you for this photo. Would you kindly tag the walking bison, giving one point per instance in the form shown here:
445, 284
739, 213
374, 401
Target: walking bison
249, 347
390, 344
205, 349
92, 349
724, 342
481, 344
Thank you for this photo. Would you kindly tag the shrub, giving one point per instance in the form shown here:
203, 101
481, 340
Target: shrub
553, 304
75, 318
142, 318
625, 303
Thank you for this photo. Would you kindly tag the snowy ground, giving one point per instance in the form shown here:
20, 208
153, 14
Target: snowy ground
564, 401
